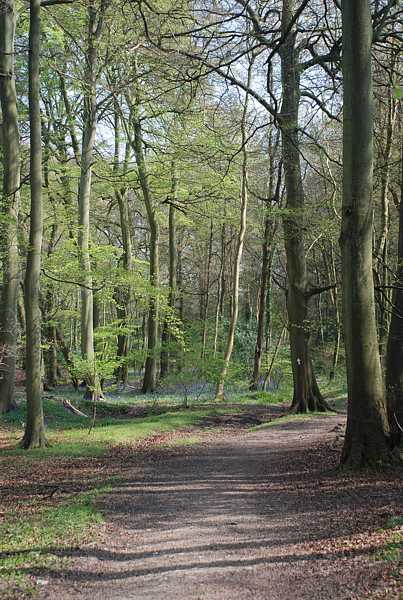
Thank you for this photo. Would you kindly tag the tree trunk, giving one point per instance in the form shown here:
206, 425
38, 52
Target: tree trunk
367, 440
306, 391
34, 435
219, 395
220, 290
394, 353
381, 246
205, 298
150, 370
84, 196
261, 323
165, 353
10, 207
122, 294
335, 300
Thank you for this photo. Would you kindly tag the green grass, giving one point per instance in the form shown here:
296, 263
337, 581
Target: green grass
36, 543
265, 398
392, 551
289, 419
69, 437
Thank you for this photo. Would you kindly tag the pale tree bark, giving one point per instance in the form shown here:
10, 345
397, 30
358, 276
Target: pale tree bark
219, 394
166, 337
95, 23
367, 439
34, 435
10, 207
394, 352
307, 395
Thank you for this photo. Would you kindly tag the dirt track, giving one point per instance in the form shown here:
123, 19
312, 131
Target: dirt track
239, 516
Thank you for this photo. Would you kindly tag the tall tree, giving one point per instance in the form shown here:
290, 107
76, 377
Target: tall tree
219, 393
150, 371
95, 19
34, 435
307, 395
10, 206
166, 337
367, 440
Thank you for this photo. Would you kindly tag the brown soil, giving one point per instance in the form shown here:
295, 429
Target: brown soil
240, 515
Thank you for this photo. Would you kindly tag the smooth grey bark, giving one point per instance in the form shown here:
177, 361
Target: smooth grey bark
307, 395
34, 435
9, 207
367, 439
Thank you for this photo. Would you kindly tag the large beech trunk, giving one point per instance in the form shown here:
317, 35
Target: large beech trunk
9, 207
367, 439
307, 395
34, 435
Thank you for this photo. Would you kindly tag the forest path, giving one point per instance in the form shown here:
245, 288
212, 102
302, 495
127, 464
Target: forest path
241, 515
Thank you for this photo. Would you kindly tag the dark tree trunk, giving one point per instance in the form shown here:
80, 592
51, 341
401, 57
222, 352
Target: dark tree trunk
166, 337
367, 439
394, 352
307, 395
261, 322
34, 435
9, 207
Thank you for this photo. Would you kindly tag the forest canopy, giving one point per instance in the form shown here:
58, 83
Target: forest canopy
204, 195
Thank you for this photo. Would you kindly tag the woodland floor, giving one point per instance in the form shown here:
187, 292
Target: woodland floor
239, 514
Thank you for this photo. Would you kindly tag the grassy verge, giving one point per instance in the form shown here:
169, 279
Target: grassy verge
392, 551
289, 419
69, 434
38, 542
